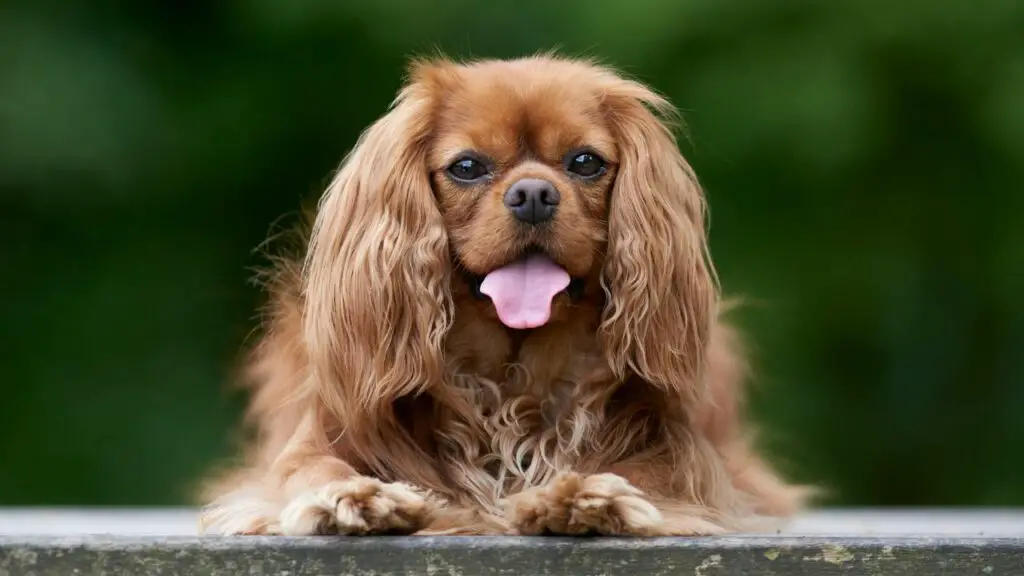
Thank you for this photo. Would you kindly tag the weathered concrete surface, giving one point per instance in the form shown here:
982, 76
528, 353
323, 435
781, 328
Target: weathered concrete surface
150, 542
508, 556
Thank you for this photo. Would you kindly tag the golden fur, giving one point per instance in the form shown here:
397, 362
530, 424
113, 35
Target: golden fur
389, 399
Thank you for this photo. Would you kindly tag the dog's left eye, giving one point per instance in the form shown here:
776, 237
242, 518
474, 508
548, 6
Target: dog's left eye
586, 164
467, 169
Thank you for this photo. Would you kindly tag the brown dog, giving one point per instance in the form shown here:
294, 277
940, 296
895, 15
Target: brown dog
506, 322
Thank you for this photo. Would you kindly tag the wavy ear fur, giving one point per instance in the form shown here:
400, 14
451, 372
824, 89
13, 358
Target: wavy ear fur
661, 287
376, 281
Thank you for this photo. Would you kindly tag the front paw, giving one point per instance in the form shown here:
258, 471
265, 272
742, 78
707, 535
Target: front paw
576, 504
602, 503
357, 506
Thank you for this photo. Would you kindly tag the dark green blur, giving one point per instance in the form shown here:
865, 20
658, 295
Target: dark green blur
864, 161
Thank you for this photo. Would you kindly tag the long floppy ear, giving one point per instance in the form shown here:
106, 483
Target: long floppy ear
661, 286
376, 275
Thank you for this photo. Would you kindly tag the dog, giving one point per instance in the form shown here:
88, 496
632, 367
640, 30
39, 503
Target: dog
505, 321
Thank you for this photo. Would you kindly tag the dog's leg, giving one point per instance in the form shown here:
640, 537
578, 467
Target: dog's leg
308, 491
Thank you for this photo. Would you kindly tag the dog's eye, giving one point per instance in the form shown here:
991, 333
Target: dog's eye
467, 169
586, 165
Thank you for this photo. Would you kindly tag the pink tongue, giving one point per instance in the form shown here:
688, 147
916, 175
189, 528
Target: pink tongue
522, 291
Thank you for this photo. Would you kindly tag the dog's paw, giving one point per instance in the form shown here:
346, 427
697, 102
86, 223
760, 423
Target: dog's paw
576, 504
602, 503
356, 506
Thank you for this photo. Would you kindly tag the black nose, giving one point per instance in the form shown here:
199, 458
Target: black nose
532, 200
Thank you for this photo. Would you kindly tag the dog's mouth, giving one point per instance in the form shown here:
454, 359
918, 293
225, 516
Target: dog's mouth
523, 291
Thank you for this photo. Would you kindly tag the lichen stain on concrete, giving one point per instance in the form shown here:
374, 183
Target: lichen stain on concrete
885, 555
833, 554
837, 555
713, 561
772, 554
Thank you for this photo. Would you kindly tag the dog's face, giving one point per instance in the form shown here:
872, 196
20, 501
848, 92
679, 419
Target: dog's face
522, 163
511, 182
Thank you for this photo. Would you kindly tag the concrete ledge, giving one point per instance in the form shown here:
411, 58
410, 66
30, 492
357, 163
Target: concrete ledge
40, 552
509, 556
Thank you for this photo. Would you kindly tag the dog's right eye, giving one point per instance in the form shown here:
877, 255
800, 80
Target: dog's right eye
467, 170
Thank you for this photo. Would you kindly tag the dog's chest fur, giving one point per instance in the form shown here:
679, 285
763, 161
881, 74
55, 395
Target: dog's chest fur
522, 408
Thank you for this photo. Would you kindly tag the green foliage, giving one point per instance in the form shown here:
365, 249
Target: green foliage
863, 161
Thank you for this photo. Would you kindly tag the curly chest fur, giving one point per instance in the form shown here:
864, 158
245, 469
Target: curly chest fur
529, 409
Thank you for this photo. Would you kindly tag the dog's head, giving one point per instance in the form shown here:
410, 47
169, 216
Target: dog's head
523, 179
522, 165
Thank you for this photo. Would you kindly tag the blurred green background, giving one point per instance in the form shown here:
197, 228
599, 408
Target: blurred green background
864, 161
